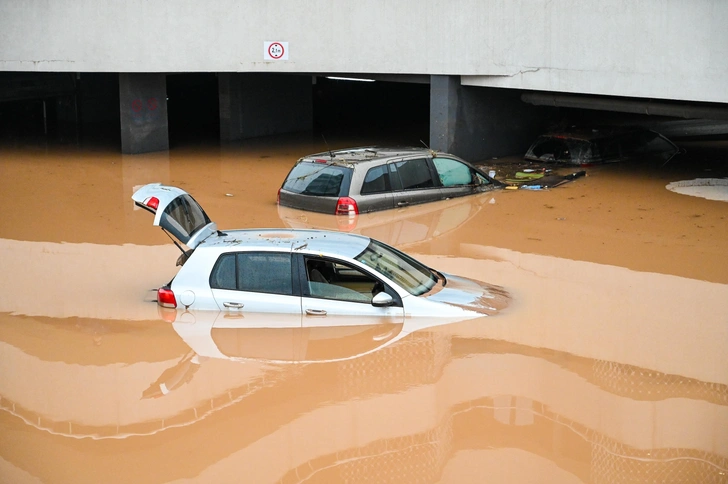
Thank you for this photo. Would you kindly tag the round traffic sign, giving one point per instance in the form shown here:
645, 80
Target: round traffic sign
276, 50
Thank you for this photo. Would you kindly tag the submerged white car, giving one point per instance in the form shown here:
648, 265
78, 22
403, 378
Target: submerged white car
306, 272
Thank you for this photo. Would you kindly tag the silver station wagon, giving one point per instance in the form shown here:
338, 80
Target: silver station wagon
307, 272
360, 180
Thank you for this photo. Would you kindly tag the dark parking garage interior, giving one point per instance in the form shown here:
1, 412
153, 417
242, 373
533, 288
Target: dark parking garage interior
83, 109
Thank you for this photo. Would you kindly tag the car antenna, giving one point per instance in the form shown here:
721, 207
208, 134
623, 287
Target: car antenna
425, 145
331, 153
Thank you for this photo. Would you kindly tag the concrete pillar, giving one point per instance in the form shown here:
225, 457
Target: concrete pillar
262, 104
477, 123
143, 106
444, 97
230, 90
67, 118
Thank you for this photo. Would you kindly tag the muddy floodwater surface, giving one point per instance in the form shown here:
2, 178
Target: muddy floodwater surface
609, 365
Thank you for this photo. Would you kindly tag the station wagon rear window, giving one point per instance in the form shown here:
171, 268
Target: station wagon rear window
318, 179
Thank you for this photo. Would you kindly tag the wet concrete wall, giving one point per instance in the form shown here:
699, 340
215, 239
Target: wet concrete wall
652, 49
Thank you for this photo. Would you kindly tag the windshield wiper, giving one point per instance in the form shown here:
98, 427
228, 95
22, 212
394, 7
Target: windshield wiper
439, 275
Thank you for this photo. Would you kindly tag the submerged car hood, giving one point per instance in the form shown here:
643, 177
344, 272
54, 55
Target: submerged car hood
472, 295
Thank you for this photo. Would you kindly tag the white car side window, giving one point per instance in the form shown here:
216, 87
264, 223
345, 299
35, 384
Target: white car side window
266, 272
341, 282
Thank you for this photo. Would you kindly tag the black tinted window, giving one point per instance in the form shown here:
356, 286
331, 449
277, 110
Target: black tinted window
267, 272
414, 174
223, 274
318, 179
376, 180
264, 272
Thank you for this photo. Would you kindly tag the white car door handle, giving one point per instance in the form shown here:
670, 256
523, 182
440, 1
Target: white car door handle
233, 305
315, 312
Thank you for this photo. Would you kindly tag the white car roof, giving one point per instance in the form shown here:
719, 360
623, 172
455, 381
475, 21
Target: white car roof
308, 241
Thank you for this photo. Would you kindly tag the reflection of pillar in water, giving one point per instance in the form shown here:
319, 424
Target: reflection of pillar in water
614, 462
413, 458
645, 384
418, 359
513, 410
407, 459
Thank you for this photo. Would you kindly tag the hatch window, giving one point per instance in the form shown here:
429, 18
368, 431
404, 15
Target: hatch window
319, 180
183, 217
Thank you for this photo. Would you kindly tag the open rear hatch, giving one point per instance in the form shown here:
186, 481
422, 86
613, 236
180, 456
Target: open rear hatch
176, 212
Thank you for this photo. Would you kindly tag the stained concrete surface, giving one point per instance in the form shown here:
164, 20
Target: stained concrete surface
609, 366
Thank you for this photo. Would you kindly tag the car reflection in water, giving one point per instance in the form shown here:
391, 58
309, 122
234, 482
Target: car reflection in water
399, 227
278, 339
454, 404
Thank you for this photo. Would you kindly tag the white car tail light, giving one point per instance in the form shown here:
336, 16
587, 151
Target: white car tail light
152, 202
165, 298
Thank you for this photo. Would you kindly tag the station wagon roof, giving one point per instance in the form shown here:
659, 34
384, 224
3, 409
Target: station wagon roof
367, 153
308, 241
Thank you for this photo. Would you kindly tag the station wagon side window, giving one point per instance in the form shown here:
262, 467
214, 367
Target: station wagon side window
268, 272
412, 174
453, 172
376, 181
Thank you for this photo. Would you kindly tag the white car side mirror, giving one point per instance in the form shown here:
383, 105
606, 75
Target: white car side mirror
382, 299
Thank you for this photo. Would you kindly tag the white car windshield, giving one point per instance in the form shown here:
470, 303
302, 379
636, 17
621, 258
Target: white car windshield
411, 275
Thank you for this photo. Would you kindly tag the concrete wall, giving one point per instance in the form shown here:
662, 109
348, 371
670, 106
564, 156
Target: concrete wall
652, 48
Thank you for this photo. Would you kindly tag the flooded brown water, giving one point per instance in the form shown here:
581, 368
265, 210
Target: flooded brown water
610, 365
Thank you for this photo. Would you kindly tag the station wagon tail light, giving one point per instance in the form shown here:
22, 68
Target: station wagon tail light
346, 206
152, 202
165, 298
278, 197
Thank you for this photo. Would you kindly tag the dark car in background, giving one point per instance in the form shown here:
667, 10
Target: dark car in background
600, 145
367, 179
